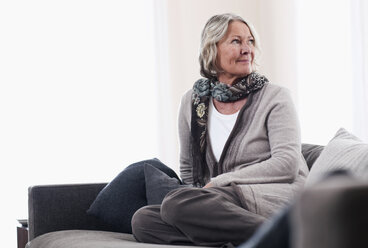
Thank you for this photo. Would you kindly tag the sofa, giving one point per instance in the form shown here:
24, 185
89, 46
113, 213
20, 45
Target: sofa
328, 213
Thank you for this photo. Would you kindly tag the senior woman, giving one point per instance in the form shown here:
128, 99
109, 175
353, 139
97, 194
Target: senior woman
239, 146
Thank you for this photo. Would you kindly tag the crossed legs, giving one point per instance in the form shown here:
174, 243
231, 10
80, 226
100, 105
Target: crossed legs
209, 217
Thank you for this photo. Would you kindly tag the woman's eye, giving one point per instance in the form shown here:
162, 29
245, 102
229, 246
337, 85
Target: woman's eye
251, 42
235, 41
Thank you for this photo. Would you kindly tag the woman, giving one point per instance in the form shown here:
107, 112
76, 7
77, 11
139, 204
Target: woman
239, 145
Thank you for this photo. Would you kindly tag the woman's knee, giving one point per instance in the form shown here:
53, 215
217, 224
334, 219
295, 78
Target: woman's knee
141, 223
178, 205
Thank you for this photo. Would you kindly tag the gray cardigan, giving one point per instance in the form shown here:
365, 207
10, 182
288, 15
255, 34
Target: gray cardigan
262, 155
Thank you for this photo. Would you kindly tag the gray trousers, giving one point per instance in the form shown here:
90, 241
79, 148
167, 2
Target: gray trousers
196, 216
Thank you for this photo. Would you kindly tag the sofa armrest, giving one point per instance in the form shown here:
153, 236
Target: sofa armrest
331, 214
62, 207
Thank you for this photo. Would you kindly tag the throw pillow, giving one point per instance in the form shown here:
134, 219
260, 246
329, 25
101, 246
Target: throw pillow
125, 194
158, 184
344, 152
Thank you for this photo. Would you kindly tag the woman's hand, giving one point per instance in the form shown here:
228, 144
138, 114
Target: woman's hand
208, 185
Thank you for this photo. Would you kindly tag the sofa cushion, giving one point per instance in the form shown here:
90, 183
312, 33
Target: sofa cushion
158, 184
344, 152
125, 194
90, 239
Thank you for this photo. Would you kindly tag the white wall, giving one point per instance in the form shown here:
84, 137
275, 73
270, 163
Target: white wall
324, 69
78, 95
359, 43
278, 34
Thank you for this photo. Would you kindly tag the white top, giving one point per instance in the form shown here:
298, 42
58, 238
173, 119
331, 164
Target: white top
219, 128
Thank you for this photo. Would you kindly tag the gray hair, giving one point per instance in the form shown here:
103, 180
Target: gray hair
214, 30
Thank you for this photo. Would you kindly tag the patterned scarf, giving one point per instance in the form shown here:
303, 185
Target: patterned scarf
203, 89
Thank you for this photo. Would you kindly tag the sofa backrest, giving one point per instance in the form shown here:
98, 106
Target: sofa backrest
311, 152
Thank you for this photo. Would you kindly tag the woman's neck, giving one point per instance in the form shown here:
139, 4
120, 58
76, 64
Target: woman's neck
229, 79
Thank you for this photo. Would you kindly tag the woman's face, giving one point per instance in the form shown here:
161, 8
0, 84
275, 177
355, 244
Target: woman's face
235, 53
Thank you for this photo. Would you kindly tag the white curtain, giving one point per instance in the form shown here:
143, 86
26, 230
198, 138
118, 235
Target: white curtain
359, 27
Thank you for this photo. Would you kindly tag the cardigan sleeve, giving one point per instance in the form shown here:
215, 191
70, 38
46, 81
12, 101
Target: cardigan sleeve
184, 120
284, 140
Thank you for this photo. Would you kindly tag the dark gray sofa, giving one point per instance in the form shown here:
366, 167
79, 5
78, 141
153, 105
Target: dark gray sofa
58, 218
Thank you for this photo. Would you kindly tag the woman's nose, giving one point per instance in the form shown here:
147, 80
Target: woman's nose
244, 49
